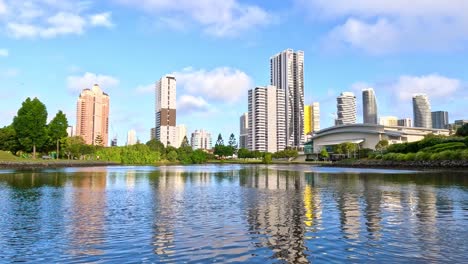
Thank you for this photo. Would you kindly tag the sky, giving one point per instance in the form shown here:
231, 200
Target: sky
218, 50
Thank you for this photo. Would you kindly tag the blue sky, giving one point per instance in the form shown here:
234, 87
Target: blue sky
219, 49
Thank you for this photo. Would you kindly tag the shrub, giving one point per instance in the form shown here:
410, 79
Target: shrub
445, 146
423, 156
464, 154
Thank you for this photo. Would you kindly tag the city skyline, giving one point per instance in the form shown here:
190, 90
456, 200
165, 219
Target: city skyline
117, 46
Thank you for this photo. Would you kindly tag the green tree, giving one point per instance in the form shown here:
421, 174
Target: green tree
184, 154
199, 156
463, 131
156, 145
267, 158
57, 129
172, 156
324, 153
232, 141
8, 139
30, 125
381, 145
244, 154
220, 141
73, 146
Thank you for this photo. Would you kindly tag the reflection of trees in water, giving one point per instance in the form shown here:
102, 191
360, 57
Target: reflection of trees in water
277, 220
87, 213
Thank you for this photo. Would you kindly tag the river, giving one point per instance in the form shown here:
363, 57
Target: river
233, 213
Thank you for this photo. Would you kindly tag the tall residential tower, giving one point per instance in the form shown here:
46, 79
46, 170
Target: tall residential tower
311, 118
166, 111
287, 74
422, 111
244, 130
92, 116
266, 119
369, 109
440, 119
346, 107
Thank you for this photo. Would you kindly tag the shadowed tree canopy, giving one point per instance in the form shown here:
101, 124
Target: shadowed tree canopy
463, 131
30, 124
156, 145
220, 141
232, 141
185, 142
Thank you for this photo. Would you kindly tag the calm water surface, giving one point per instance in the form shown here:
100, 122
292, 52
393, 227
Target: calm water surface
231, 213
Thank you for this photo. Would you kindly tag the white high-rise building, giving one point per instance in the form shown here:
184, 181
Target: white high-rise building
369, 109
388, 121
346, 106
266, 122
244, 131
181, 132
422, 111
166, 111
287, 74
131, 137
201, 139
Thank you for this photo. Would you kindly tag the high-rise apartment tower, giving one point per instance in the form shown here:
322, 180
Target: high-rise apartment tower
166, 110
369, 104
346, 107
92, 116
287, 74
422, 111
266, 119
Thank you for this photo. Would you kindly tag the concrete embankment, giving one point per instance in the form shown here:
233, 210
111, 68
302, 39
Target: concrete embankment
421, 164
52, 164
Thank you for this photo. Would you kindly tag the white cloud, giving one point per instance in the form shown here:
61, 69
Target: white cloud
389, 26
102, 19
220, 84
218, 18
78, 83
434, 85
190, 104
49, 18
3, 8
4, 53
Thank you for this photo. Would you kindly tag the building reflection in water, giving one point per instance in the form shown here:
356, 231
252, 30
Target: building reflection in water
277, 217
87, 215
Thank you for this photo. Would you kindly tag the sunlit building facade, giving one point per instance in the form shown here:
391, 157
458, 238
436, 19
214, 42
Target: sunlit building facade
92, 116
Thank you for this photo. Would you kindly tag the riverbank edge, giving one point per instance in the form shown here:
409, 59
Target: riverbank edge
53, 164
389, 164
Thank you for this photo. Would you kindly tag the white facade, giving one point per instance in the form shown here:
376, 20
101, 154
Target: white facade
70, 131
181, 132
266, 125
131, 137
388, 121
346, 107
315, 109
422, 111
201, 139
166, 131
287, 74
